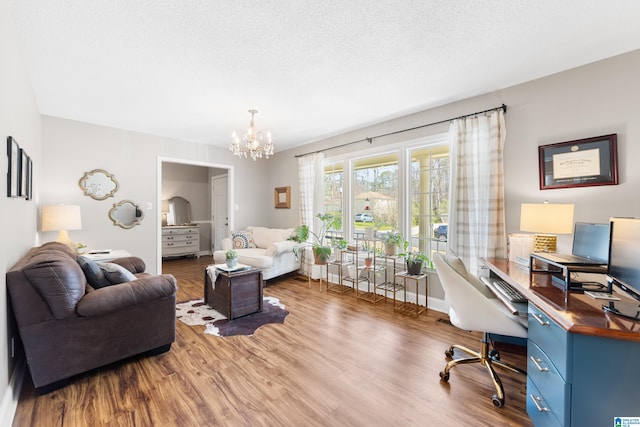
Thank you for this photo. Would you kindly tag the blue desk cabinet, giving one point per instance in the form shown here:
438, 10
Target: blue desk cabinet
579, 380
583, 364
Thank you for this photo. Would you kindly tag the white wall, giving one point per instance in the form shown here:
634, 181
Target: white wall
593, 100
72, 148
19, 117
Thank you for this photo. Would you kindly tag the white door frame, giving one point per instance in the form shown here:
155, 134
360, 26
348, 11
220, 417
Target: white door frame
158, 223
213, 187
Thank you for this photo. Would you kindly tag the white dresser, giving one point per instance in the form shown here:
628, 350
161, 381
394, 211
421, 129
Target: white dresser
178, 240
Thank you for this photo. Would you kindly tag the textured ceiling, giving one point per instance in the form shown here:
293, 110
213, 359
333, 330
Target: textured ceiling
312, 68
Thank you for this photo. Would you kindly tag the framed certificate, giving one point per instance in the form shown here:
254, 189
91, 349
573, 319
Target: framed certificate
580, 163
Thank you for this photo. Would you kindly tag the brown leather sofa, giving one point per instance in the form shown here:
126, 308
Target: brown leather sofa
67, 327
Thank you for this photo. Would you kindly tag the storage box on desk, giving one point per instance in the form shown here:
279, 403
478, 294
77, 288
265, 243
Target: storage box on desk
520, 247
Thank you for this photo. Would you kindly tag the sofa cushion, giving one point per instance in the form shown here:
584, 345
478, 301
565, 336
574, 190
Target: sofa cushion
264, 237
116, 273
58, 279
242, 239
92, 271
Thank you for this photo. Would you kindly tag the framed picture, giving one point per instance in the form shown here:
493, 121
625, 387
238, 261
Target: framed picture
282, 197
580, 163
13, 170
23, 188
29, 179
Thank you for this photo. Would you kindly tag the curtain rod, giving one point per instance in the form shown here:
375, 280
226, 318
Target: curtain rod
503, 107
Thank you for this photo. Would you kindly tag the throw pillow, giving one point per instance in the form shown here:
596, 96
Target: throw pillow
242, 239
93, 272
116, 273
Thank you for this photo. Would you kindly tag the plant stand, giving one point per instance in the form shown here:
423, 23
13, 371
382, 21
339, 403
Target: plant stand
409, 308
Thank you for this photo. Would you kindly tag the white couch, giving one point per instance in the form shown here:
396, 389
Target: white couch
273, 252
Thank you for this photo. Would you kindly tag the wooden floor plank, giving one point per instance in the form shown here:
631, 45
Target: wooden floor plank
335, 361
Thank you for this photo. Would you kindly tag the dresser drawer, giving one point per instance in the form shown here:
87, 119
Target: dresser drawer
538, 408
168, 231
180, 238
548, 382
554, 341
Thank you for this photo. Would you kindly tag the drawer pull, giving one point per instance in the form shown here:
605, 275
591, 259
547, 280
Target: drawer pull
541, 320
537, 363
536, 401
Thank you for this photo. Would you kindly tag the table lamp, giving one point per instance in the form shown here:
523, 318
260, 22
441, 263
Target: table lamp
546, 220
62, 218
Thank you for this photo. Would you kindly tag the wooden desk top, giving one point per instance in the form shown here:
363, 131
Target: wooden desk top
575, 312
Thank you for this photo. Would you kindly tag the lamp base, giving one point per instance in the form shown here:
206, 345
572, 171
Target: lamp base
544, 243
63, 237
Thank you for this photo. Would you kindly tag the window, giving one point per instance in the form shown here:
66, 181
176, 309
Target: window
429, 198
388, 192
375, 193
333, 197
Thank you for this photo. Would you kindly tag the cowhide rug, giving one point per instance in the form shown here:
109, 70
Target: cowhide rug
197, 312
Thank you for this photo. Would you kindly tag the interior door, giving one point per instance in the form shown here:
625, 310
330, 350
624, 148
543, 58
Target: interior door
220, 209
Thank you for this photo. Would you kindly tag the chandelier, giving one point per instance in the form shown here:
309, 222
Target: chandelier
251, 144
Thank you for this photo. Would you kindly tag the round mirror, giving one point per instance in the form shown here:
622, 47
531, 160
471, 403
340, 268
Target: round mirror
98, 184
126, 214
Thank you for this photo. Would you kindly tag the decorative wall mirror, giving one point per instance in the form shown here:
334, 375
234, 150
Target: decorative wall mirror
98, 184
126, 214
179, 211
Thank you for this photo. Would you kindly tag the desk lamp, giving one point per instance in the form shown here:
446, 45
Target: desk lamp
62, 218
546, 220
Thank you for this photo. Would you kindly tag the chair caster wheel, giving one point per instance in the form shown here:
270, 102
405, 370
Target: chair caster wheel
494, 355
449, 353
444, 376
498, 403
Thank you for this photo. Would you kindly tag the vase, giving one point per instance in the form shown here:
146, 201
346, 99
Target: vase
232, 262
320, 258
390, 249
414, 268
368, 262
369, 233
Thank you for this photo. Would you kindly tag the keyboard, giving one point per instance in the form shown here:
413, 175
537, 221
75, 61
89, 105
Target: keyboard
507, 291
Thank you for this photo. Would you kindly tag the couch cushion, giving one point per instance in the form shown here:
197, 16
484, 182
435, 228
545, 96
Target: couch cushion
58, 279
242, 239
116, 273
92, 271
264, 236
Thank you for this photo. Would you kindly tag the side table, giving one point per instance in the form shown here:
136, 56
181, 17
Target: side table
106, 255
409, 308
235, 293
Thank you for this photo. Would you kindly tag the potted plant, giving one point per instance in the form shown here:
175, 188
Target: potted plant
414, 260
232, 258
321, 251
391, 241
338, 246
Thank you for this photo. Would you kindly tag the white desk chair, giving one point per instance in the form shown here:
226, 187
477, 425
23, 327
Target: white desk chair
473, 307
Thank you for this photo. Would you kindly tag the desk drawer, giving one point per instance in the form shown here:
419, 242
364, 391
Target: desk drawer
178, 230
554, 341
548, 382
538, 408
180, 238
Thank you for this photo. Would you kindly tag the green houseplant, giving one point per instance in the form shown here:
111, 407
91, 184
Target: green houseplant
338, 246
414, 260
232, 258
321, 251
391, 240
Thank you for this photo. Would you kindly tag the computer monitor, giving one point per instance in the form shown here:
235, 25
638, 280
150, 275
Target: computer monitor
624, 265
591, 241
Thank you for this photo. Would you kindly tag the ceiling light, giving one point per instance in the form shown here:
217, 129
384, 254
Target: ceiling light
251, 144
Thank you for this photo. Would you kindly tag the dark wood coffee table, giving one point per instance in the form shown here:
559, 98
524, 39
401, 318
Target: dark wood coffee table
235, 293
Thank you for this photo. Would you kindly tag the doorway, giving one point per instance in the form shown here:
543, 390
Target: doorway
194, 181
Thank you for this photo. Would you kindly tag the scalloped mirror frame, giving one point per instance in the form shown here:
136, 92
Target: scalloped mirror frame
98, 184
124, 216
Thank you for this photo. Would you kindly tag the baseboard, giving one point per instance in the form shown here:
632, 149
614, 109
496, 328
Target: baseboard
11, 395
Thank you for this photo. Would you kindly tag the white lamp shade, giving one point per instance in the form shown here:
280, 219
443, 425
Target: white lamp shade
61, 217
546, 218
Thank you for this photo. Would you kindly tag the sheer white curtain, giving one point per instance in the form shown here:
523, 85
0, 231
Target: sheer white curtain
310, 175
476, 207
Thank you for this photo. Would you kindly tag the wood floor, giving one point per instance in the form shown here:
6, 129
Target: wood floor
334, 362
